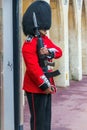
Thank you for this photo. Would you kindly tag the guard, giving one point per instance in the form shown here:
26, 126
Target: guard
38, 51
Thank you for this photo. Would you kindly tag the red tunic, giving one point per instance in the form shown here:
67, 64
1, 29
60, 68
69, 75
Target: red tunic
32, 77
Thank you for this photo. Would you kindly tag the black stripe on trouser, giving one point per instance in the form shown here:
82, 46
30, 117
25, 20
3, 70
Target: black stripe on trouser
40, 109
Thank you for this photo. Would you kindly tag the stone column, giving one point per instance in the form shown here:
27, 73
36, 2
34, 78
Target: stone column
59, 34
84, 38
85, 2
75, 47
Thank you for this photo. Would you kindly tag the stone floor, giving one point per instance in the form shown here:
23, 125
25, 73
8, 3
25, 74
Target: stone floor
69, 107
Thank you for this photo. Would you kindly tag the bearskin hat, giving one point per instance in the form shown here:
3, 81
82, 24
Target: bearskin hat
43, 14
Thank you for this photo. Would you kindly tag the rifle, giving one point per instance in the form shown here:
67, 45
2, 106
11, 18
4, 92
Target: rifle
43, 59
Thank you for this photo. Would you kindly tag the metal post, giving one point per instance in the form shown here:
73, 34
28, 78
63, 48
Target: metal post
16, 62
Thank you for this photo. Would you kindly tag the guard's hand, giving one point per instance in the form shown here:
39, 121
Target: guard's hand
54, 89
44, 51
48, 91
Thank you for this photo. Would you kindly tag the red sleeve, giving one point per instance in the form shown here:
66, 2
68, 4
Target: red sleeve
57, 50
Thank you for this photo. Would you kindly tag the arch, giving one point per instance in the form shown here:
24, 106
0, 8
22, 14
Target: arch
84, 39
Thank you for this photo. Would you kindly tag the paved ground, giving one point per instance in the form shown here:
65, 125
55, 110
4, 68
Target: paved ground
69, 108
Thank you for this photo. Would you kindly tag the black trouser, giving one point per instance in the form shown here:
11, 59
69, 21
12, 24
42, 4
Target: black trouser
40, 109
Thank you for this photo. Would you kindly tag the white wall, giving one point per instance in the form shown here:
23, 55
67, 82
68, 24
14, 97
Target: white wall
8, 101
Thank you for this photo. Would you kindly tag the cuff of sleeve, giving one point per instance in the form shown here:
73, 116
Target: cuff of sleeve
44, 86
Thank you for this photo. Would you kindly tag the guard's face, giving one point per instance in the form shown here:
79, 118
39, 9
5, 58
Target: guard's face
43, 32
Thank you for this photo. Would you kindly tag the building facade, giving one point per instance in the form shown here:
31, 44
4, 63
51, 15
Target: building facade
69, 31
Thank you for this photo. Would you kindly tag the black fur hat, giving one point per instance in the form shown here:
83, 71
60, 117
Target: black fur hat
43, 14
